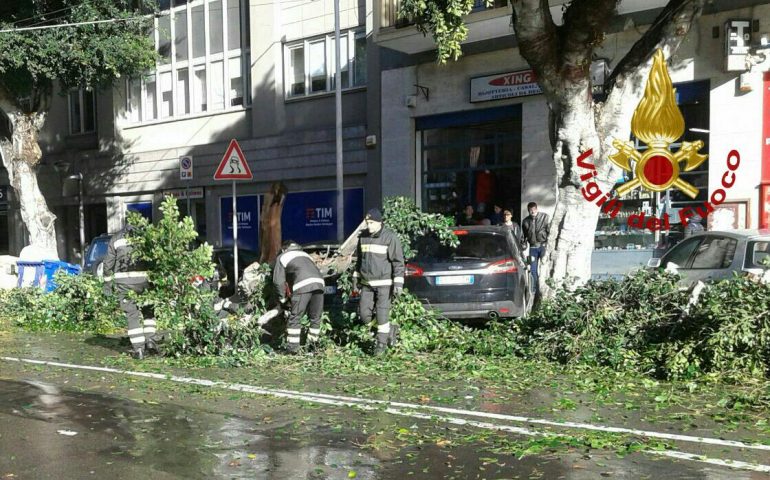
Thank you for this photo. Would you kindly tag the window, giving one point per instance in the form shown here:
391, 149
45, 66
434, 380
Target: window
203, 62
680, 254
311, 66
82, 111
714, 253
758, 254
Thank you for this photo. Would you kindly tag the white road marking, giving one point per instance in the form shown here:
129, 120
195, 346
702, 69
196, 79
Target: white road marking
406, 409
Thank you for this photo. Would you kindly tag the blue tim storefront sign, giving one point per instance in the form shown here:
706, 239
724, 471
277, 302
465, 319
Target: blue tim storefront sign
308, 217
248, 221
311, 217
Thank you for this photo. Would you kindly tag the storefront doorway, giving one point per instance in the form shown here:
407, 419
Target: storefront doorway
471, 158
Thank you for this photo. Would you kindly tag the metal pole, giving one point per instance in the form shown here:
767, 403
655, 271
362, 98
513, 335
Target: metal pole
187, 194
235, 240
82, 219
338, 124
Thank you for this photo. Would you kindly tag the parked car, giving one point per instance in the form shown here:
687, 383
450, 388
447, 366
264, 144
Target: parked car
712, 256
322, 254
95, 253
224, 261
483, 277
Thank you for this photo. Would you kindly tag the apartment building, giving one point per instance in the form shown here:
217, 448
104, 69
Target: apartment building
475, 131
259, 72
447, 135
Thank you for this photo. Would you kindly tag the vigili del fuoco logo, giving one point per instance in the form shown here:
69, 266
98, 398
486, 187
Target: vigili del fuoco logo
657, 122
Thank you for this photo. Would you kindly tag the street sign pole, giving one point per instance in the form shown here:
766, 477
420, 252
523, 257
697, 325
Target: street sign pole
234, 167
235, 239
187, 194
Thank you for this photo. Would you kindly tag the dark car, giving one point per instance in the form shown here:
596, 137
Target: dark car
224, 261
95, 253
483, 277
324, 255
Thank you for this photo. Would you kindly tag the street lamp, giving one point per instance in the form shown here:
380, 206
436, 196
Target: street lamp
63, 167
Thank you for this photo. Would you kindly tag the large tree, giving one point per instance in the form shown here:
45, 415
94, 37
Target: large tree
77, 43
561, 56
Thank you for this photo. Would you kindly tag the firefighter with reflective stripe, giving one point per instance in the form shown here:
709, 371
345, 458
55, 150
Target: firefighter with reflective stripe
380, 274
296, 272
124, 274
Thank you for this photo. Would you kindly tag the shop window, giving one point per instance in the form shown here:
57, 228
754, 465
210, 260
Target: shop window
82, 106
310, 64
469, 161
202, 54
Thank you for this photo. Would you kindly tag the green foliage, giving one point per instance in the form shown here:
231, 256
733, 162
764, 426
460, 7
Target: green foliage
644, 323
77, 305
77, 56
443, 20
172, 265
402, 216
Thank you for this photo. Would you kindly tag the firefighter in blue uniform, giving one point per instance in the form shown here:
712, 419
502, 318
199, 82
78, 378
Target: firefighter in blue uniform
123, 274
296, 273
380, 275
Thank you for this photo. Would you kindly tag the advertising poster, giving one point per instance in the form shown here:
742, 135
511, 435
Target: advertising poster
311, 217
248, 221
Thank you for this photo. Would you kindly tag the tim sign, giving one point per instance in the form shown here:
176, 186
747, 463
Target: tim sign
504, 85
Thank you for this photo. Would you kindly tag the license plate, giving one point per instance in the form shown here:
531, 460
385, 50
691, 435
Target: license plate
330, 290
455, 280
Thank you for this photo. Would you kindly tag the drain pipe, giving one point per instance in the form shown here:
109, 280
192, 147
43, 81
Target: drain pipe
764, 186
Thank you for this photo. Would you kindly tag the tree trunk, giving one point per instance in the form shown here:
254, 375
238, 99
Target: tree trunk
21, 155
270, 223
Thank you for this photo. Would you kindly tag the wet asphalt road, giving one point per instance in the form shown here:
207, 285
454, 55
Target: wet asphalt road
63, 429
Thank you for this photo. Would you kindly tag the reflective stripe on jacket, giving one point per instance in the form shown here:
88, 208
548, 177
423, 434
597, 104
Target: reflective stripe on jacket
297, 269
380, 259
119, 264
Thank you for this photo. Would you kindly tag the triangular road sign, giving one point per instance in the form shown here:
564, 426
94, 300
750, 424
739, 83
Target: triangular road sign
233, 165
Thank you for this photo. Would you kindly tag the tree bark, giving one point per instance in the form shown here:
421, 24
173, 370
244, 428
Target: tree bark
270, 223
21, 156
560, 57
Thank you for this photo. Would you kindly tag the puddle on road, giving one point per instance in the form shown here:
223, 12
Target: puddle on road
123, 434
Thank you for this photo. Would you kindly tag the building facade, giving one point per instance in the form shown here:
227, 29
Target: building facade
475, 131
468, 132
259, 72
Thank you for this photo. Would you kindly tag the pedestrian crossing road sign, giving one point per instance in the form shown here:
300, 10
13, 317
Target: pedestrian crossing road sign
233, 165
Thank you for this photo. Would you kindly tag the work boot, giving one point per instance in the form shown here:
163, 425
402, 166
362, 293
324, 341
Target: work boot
138, 354
394, 335
292, 350
380, 349
151, 347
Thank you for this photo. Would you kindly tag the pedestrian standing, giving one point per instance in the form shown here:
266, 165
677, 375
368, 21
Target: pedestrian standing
297, 274
123, 274
498, 216
515, 228
535, 229
467, 216
380, 274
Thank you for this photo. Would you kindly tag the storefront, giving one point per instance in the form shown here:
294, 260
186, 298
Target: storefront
470, 158
614, 233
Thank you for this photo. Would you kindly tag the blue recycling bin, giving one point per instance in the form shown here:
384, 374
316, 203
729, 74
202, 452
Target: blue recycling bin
50, 267
30, 273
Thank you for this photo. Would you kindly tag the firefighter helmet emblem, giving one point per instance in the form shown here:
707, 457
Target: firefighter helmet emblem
658, 122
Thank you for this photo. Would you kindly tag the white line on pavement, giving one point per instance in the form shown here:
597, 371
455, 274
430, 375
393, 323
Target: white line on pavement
406, 409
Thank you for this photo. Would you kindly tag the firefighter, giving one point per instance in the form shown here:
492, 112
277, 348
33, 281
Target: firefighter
297, 274
380, 274
124, 274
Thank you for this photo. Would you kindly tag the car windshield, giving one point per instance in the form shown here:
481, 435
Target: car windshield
473, 246
98, 250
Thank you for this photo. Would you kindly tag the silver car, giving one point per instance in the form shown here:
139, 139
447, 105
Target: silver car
713, 256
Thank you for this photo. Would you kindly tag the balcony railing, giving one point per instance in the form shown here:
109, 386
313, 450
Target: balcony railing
390, 9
